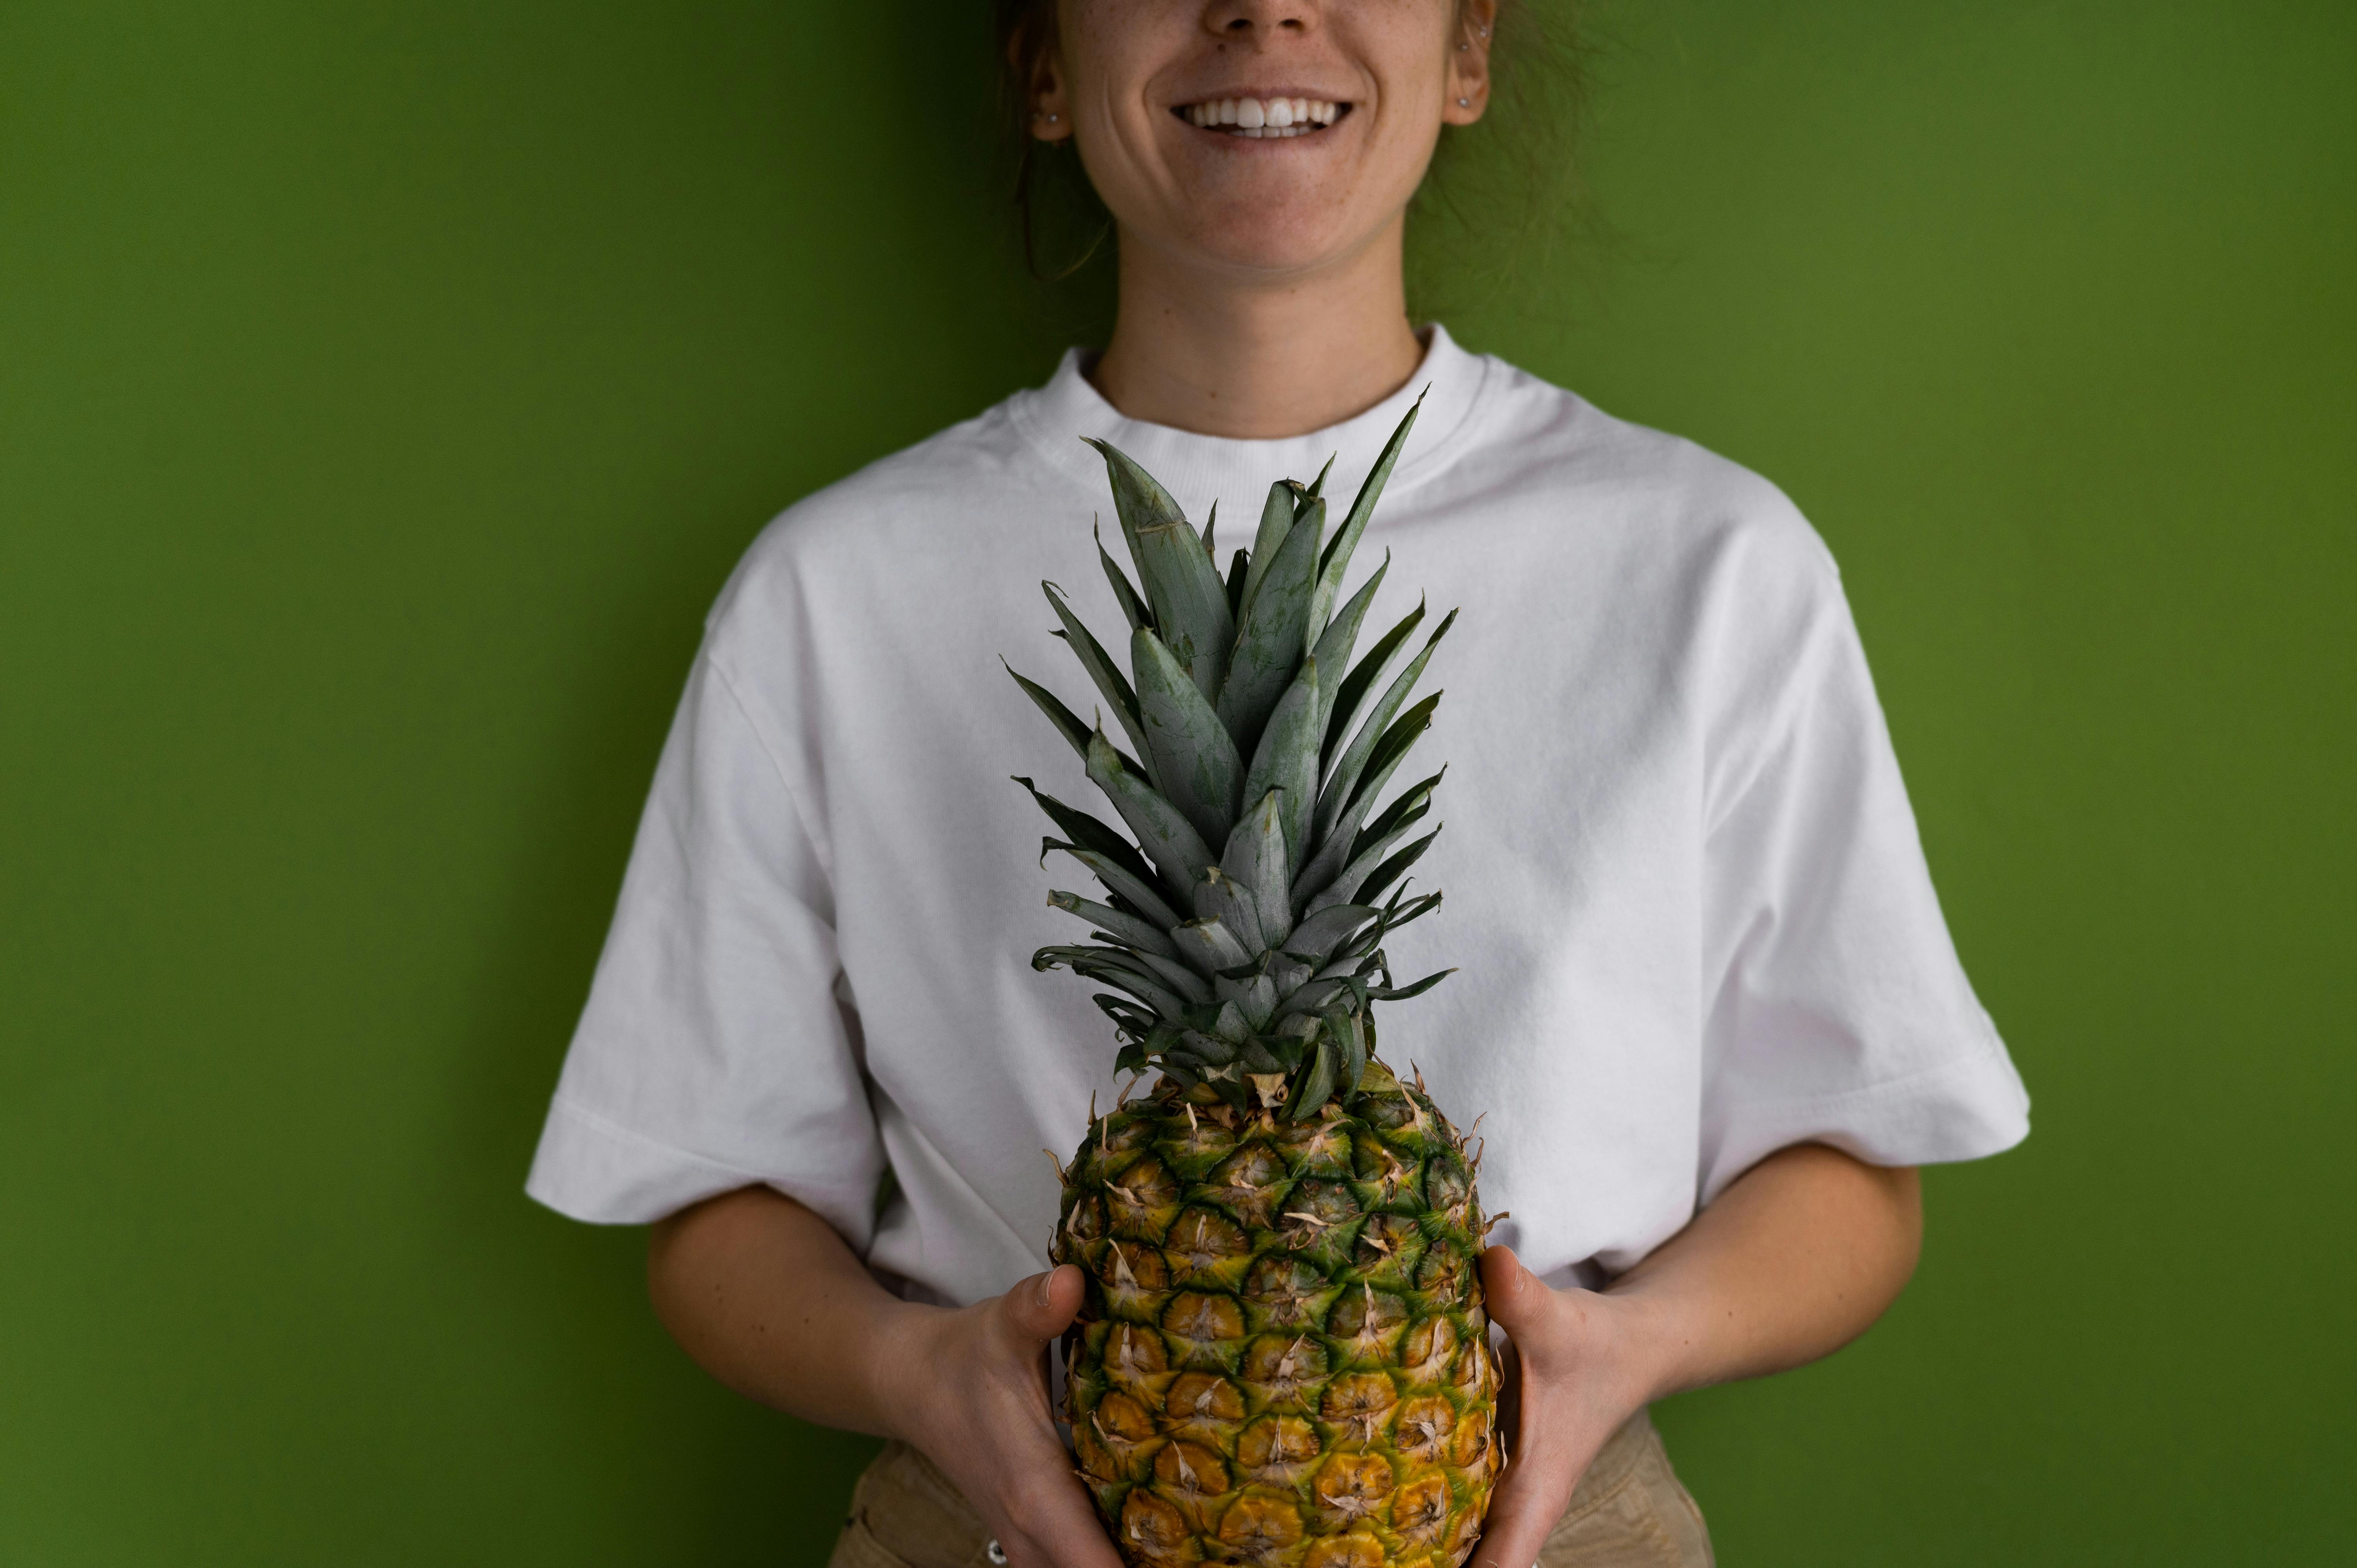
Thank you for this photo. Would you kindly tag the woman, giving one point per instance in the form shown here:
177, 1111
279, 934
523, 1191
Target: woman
1707, 1001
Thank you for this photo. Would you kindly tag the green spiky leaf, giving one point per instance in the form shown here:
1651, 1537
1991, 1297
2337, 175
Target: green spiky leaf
1188, 601
1133, 608
1342, 780
1333, 649
1122, 925
1140, 891
1274, 635
1276, 522
1219, 897
1169, 841
1363, 676
1256, 859
1337, 560
1110, 681
1210, 946
1286, 759
1195, 762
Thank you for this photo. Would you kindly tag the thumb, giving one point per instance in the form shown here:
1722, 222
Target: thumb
1041, 1307
1517, 1298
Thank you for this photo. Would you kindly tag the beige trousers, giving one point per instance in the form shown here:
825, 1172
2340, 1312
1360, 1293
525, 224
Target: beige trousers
1629, 1511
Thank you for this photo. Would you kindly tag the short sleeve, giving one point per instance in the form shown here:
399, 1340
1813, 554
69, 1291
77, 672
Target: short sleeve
717, 1050
1837, 1011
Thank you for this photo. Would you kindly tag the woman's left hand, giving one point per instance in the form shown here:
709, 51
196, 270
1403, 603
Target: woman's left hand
1792, 1261
1573, 1374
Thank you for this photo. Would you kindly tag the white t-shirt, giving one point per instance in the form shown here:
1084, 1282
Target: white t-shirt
1691, 919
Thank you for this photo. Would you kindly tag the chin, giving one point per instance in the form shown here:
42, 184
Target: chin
1292, 234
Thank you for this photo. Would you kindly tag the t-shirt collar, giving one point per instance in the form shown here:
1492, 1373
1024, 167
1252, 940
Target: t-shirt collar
1198, 469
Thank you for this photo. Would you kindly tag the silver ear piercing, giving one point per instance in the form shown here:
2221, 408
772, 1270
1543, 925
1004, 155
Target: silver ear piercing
1465, 103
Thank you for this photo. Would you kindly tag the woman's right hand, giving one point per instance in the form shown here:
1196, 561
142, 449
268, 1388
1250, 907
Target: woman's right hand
968, 1388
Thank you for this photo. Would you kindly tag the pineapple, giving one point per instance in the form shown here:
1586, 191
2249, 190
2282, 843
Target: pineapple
1282, 1356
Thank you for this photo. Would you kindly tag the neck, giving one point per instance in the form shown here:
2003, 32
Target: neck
1223, 354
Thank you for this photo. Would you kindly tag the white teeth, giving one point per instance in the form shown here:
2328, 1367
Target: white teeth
1259, 118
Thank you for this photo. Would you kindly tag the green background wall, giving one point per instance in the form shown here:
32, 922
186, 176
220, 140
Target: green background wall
384, 392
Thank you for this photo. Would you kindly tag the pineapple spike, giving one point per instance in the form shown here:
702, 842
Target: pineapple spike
1102, 671
1219, 897
1338, 847
1088, 833
1336, 559
1333, 649
1195, 762
1210, 946
1286, 759
1177, 976
1276, 522
1256, 859
1132, 608
1066, 722
1116, 964
1317, 1084
1406, 810
1123, 927
1169, 841
1191, 604
1343, 781
1239, 567
1415, 988
1121, 881
1273, 636
1362, 675
1385, 875
1319, 934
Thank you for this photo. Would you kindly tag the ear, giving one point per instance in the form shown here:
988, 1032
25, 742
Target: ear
1051, 112
1468, 63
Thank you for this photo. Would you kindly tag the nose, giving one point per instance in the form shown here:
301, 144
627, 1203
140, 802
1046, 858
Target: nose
1262, 20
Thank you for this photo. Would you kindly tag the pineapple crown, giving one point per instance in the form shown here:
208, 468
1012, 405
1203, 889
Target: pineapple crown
1242, 932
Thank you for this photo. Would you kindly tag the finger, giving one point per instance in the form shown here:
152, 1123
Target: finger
1523, 1305
1537, 1485
1515, 1298
1041, 1307
1054, 1519
1522, 1513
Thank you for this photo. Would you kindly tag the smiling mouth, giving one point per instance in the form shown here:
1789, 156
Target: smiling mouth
1261, 117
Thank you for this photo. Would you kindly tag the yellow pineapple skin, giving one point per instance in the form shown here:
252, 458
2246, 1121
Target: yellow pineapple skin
1283, 1357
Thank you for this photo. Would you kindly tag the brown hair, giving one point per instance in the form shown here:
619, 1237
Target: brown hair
1516, 164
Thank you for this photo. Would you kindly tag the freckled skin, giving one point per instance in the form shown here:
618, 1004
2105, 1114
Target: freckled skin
1245, 261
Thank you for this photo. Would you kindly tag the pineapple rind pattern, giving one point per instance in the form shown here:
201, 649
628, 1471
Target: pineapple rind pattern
1311, 1393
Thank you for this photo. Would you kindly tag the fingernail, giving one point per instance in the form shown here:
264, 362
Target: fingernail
1046, 1279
